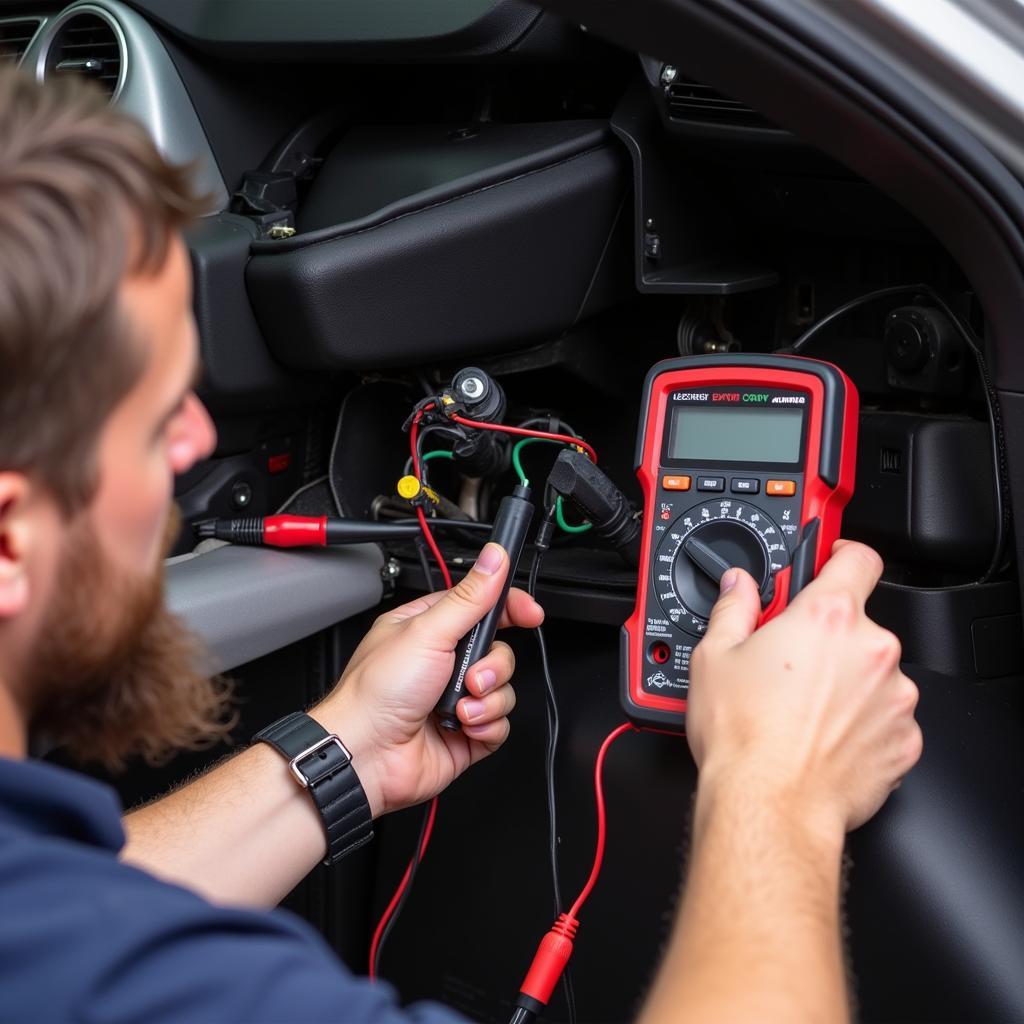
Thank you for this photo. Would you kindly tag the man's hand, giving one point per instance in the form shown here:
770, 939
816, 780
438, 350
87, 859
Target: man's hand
813, 707
382, 707
800, 730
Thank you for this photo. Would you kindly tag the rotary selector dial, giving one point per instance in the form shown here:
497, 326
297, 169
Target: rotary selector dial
705, 541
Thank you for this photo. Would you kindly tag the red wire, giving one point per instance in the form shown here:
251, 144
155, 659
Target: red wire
383, 922
599, 765
519, 431
446, 576
574, 910
420, 515
434, 549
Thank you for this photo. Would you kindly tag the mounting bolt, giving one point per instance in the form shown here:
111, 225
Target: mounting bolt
472, 387
241, 495
652, 244
390, 570
668, 75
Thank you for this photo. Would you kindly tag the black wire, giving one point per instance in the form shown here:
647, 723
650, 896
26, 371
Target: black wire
405, 894
428, 575
552, 424
1001, 479
846, 307
428, 390
468, 524
455, 433
551, 706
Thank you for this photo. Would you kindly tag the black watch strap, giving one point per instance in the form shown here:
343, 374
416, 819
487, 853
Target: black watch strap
321, 764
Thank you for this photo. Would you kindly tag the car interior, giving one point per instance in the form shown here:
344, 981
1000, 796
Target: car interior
556, 198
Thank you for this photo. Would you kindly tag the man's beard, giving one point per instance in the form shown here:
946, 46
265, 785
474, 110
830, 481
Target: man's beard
115, 674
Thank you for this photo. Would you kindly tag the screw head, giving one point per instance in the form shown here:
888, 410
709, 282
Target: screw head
472, 387
390, 569
668, 74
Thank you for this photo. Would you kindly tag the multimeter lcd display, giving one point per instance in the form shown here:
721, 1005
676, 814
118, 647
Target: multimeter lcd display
703, 433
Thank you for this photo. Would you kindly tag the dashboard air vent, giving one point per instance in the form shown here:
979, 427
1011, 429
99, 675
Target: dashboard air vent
14, 39
693, 101
89, 45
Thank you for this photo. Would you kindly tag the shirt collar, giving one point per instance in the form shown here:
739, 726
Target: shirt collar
47, 800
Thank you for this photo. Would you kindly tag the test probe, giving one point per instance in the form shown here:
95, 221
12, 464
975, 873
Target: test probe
513, 519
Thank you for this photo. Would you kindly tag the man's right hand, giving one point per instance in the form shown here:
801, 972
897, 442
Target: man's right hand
811, 710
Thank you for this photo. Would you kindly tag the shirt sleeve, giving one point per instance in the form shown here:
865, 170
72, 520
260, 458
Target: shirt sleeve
184, 960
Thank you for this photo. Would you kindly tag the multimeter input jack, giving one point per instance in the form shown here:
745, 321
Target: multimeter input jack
659, 652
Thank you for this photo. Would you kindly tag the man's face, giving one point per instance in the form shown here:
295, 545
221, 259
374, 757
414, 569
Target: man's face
112, 672
160, 429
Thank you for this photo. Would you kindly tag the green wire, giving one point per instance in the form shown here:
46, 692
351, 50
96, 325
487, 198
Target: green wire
439, 454
517, 464
568, 527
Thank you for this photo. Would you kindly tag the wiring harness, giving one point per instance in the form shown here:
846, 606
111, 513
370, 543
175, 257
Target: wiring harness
433, 417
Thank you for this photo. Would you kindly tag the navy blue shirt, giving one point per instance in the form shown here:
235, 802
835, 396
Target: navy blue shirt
86, 938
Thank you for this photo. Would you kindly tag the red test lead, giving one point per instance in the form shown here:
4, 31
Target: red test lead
555, 949
302, 531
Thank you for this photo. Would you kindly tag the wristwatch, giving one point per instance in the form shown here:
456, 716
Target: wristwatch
321, 764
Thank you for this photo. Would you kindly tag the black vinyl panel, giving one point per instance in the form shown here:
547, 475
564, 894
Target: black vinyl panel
499, 259
375, 29
935, 905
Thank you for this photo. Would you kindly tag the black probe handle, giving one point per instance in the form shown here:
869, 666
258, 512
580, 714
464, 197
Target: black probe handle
353, 531
511, 524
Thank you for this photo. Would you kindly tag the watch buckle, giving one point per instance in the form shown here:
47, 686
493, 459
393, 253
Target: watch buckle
293, 764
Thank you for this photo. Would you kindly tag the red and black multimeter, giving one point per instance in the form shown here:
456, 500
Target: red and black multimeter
744, 460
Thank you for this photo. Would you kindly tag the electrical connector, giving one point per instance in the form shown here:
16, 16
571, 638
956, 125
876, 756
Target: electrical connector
577, 479
549, 963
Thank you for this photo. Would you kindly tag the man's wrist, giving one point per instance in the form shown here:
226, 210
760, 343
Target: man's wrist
342, 718
743, 788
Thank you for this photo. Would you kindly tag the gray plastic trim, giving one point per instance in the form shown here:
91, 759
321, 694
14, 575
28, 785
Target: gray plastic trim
150, 90
246, 602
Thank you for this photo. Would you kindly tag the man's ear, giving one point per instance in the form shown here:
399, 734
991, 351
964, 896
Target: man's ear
16, 538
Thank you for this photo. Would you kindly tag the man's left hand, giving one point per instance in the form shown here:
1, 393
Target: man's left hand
382, 707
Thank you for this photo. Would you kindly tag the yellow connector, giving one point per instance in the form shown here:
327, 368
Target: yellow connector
413, 491
409, 488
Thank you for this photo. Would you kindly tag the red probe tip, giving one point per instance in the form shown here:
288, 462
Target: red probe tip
295, 531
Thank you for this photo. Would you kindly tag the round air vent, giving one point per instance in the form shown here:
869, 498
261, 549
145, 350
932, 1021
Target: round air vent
87, 42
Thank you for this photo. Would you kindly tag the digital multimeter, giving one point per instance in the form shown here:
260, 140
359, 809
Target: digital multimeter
744, 460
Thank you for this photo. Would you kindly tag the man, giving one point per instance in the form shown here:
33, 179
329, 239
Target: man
800, 730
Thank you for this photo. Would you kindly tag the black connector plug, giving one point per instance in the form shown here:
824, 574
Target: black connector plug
578, 480
480, 397
546, 530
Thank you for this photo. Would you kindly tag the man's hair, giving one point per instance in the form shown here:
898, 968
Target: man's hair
85, 199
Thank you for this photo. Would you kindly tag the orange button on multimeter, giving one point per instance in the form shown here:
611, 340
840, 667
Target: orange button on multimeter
675, 483
780, 488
